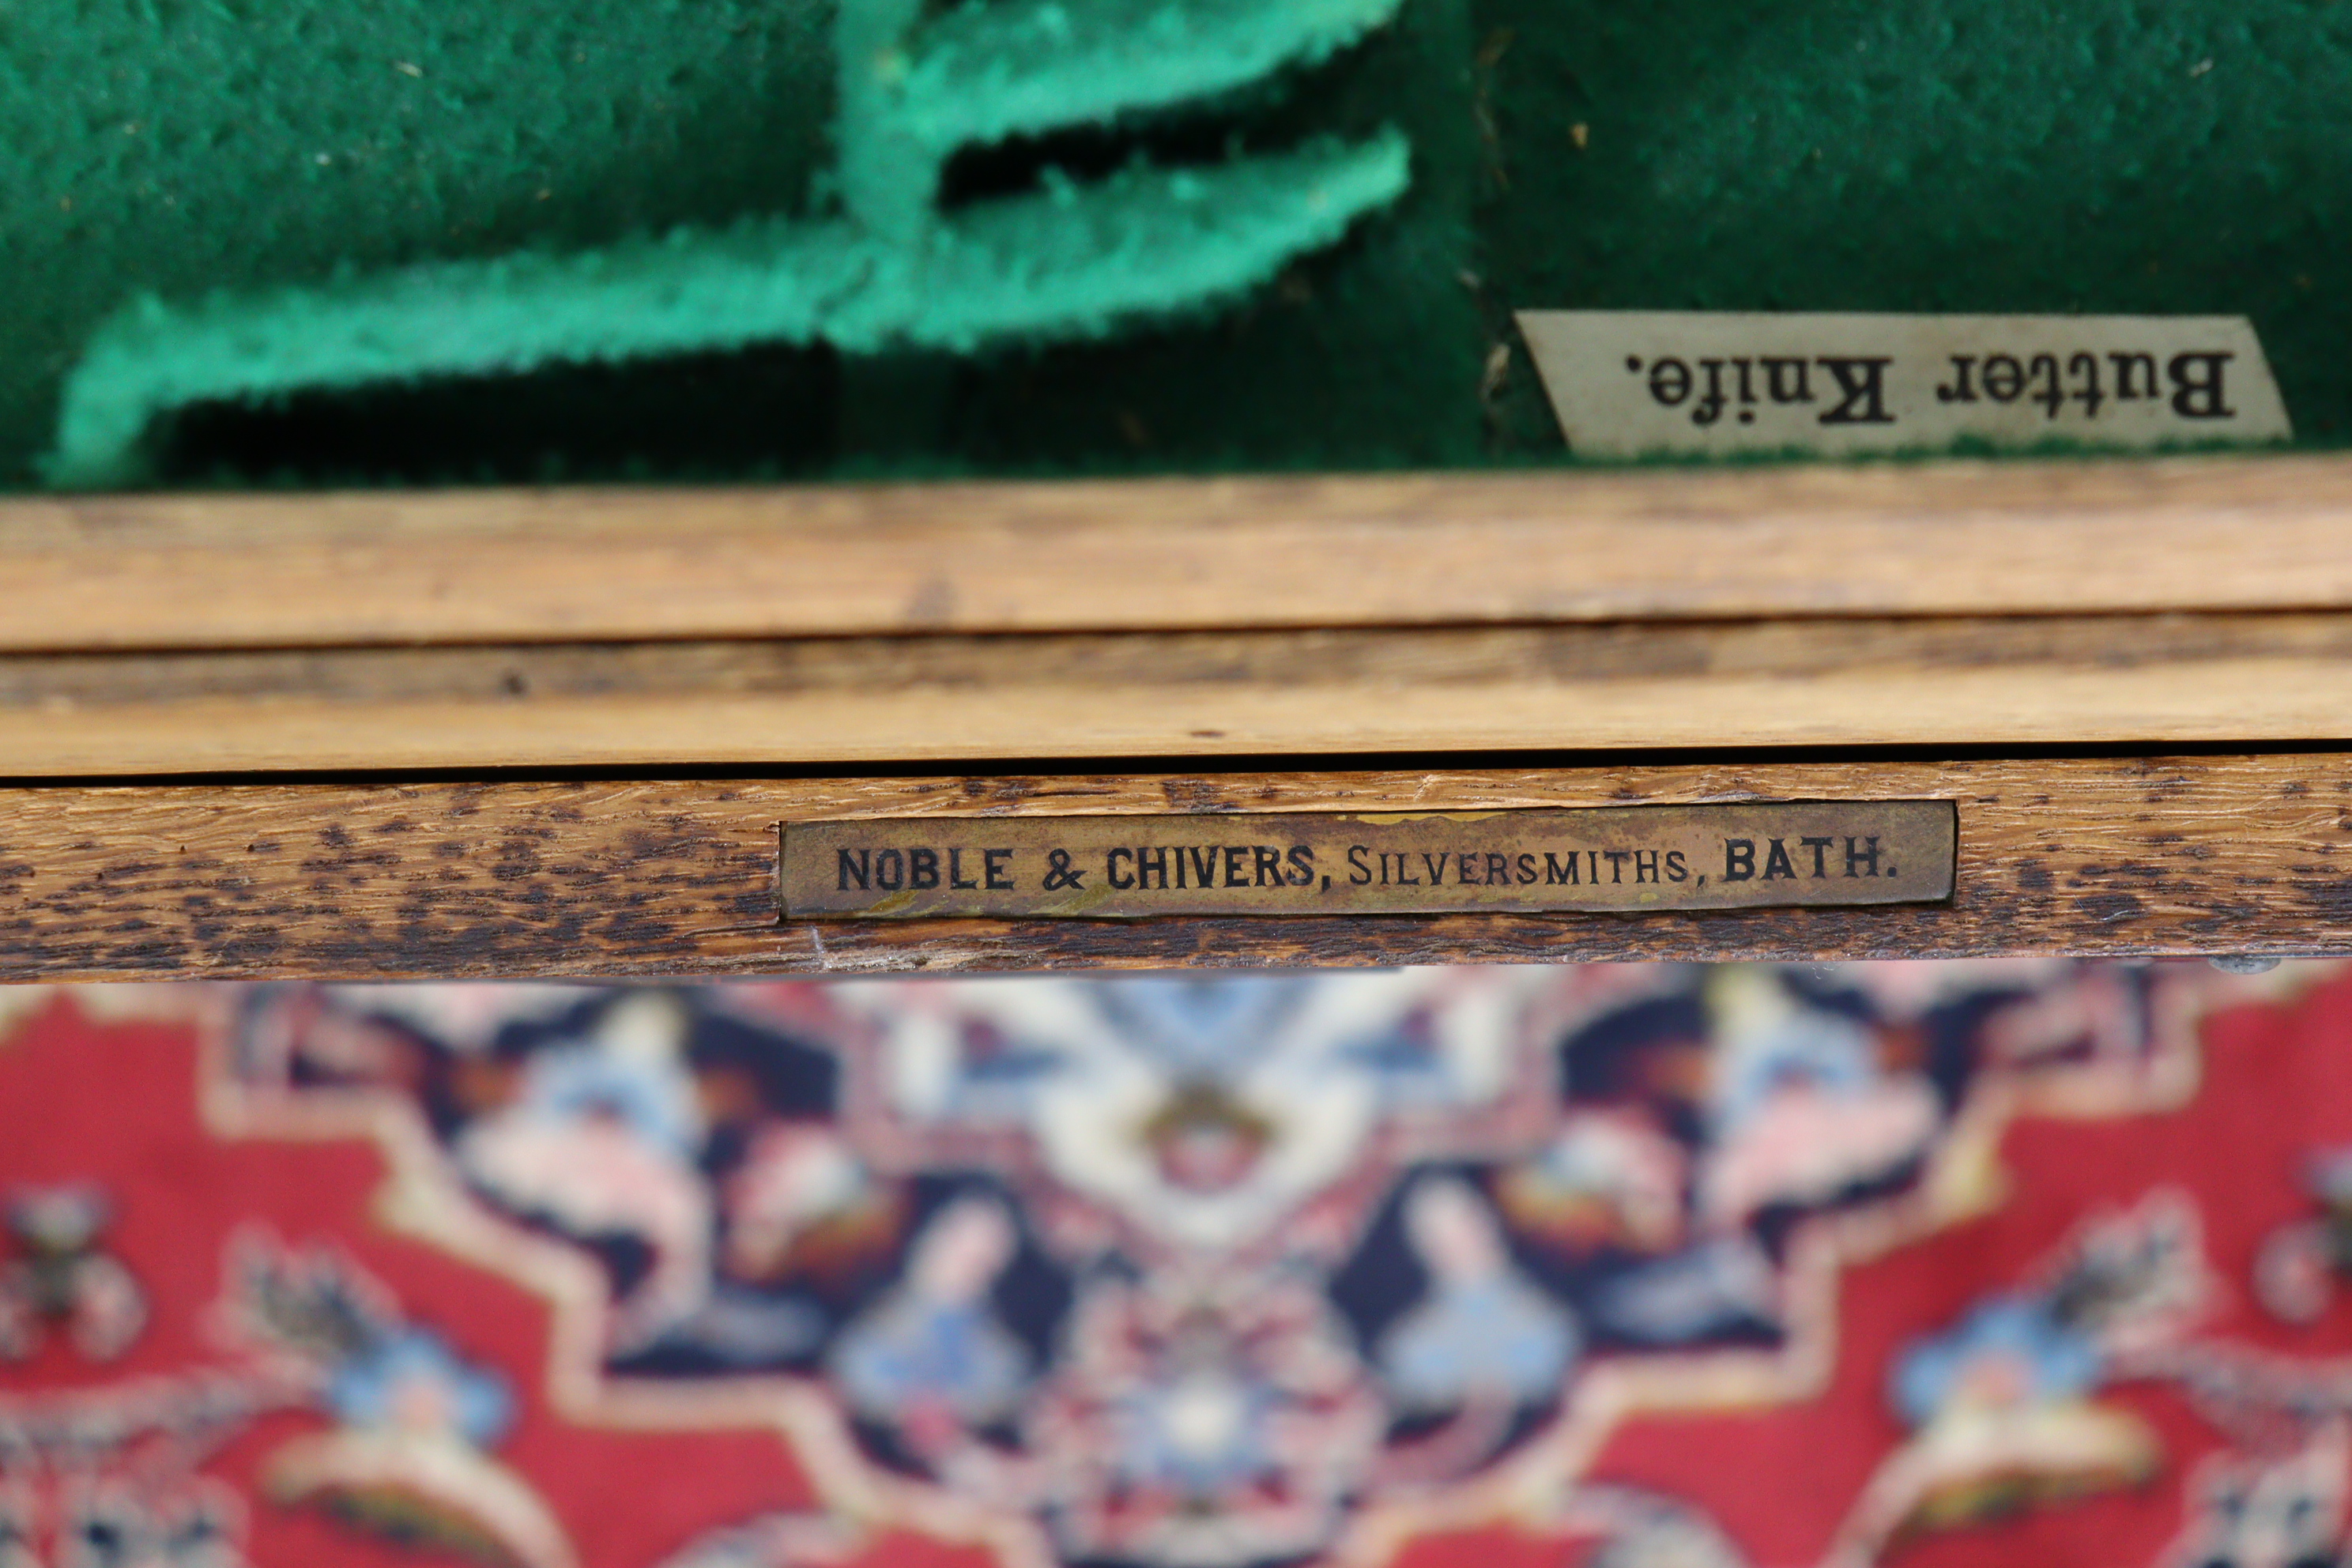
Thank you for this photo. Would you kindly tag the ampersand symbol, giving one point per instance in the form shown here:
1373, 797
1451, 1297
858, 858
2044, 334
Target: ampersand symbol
1058, 872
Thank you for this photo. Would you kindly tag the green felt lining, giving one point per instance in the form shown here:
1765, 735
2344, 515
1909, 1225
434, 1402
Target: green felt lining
2010, 155
1070, 264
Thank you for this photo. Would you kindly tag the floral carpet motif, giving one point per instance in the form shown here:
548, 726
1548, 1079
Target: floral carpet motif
1600, 1267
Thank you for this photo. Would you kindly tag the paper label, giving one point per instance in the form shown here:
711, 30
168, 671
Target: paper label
1624, 858
1630, 383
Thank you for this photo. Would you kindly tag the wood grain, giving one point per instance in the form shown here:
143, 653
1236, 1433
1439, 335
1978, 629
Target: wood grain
2152, 855
510, 566
632, 708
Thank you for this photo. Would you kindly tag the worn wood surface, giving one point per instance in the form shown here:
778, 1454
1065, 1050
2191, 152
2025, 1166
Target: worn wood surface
2134, 856
959, 700
394, 567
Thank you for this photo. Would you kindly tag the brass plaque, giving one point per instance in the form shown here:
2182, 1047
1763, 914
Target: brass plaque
1631, 859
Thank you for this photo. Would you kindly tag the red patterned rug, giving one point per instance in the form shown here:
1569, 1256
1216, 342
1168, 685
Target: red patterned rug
1627, 1266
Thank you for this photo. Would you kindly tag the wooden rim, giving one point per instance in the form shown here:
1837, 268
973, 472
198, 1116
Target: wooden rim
2115, 858
615, 565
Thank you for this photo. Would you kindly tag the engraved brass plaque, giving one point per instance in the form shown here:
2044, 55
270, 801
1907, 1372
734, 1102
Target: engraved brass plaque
1629, 859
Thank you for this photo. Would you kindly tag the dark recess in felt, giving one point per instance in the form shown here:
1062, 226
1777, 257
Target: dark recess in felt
1943, 154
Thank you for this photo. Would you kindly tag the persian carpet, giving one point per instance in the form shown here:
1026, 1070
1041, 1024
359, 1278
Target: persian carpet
1607, 1267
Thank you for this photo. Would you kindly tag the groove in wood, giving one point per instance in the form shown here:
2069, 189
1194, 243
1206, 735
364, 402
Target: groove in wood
609, 565
943, 701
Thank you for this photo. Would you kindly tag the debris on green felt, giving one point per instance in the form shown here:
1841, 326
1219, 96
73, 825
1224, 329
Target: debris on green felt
895, 271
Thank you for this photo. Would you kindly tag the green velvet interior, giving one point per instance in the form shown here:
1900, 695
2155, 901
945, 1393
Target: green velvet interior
2027, 155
